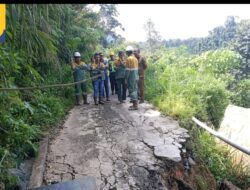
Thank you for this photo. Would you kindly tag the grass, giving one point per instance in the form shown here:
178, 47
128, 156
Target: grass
184, 86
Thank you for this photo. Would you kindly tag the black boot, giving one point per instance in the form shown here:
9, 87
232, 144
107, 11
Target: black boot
95, 99
100, 101
134, 106
141, 101
85, 99
77, 100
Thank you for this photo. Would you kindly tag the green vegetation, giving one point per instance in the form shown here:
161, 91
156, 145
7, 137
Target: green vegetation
217, 158
202, 183
195, 77
190, 85
40, 42
183, 85
200, 77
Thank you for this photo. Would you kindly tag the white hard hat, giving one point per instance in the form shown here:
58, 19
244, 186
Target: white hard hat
129, 48
77, 54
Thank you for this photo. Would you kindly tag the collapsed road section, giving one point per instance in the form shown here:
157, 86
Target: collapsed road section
121, 149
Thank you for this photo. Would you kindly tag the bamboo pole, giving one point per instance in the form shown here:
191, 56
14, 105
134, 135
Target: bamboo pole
221, 137
48, 86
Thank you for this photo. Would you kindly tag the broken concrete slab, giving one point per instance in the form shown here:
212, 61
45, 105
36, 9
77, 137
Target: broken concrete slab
152, 140
170, 152
168, 140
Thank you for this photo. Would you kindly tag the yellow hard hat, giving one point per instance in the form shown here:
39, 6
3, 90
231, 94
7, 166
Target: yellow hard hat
112, 53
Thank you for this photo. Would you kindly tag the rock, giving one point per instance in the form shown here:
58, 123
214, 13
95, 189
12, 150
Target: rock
184, 150
177, 144
181, 140
119, 174
162, 128
227, 185
170, 152
22, 178
153, 140
185, 135
180, 131
191, 161
111, 180
141, 176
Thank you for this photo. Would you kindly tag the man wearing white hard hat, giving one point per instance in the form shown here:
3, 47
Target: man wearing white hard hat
79, 68
132, 77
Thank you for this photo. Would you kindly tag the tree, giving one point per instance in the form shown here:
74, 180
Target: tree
40, 42
154, 39
230, 28
219, 37
107, 13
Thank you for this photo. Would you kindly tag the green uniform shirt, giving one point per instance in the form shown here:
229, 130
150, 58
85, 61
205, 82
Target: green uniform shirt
79, 70
120, 69
111, 66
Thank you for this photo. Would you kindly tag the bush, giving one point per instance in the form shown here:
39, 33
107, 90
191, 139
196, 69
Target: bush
218, 160
241, 96
183, 91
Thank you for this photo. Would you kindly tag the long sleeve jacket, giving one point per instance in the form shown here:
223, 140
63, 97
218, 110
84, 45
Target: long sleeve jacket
131, 69
142, 66
97, 69
120, 68
79, 70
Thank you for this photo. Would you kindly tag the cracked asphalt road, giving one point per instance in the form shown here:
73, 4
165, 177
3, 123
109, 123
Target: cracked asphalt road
122, 149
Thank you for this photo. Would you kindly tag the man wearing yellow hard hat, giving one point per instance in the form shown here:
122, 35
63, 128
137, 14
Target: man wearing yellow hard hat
112, 72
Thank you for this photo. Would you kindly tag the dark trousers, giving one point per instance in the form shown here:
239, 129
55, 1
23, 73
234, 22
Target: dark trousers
141, 88
112, 82
121, 89
79, 87
106, 87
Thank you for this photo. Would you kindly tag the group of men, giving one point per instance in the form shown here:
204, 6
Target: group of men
123, 73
